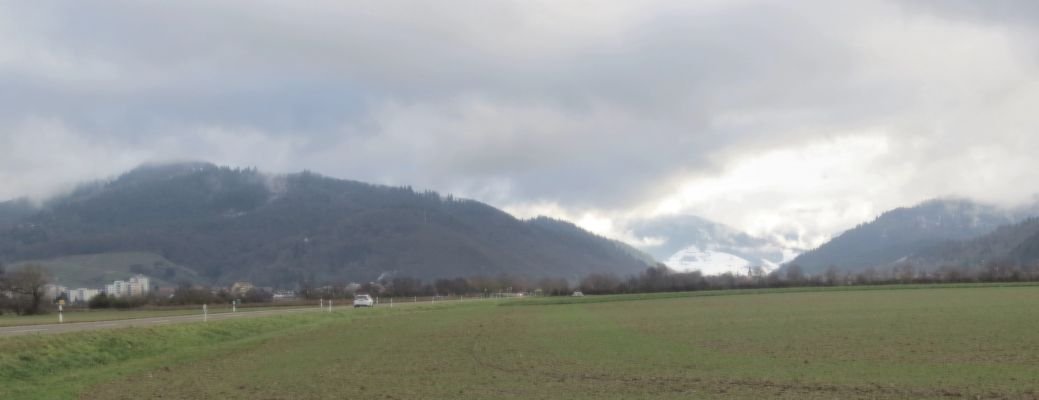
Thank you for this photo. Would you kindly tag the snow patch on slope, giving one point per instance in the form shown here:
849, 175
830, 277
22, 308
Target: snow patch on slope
708, 262
691, 243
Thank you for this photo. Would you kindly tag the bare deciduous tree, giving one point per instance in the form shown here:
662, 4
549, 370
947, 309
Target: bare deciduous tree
27, 285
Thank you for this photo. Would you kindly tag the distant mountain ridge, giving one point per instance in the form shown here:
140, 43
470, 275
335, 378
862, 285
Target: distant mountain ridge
912, 234
240, 224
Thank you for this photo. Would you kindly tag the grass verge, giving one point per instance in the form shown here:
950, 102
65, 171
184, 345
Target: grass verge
115, 315
58, 366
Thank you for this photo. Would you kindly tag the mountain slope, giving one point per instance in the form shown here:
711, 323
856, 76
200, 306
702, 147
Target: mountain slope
1027, 252
96, 270
1014, 244
232, 224
901, 233
14, 210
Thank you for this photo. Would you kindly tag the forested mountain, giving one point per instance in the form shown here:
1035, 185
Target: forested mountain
902, 233
240, 224
13, 211
1028, 250
1012, 244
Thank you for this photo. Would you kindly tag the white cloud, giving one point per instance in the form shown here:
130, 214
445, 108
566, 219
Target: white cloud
42, 157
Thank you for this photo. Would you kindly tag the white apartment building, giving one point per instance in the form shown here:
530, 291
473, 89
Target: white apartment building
117, 289
82, 295
138, 285
52, 291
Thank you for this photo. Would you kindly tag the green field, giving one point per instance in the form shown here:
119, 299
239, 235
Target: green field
932, 343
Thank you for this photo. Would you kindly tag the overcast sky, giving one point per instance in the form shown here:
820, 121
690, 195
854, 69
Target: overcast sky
773, 117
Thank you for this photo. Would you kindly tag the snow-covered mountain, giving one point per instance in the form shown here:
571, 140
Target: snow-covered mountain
691, 243
708, 262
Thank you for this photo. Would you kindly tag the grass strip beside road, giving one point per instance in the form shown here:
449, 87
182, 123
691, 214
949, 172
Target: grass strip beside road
117, 315
58, 366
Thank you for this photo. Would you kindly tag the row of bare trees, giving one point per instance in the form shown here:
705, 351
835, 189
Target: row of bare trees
483, 285
22, 290
662, 279
407, 286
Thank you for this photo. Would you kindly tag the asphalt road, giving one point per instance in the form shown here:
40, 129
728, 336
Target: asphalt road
123, 323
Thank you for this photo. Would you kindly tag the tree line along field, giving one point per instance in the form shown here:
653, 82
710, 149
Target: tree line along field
967, 342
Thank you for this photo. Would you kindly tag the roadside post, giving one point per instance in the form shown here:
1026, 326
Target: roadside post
391, 302
329, 305
61, 313
321, 303
234, 305
205, 313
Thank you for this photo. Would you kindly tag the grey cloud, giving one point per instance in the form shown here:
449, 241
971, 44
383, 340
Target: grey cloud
603, 108
995, 12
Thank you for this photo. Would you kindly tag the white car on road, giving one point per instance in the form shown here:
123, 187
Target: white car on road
363, 300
